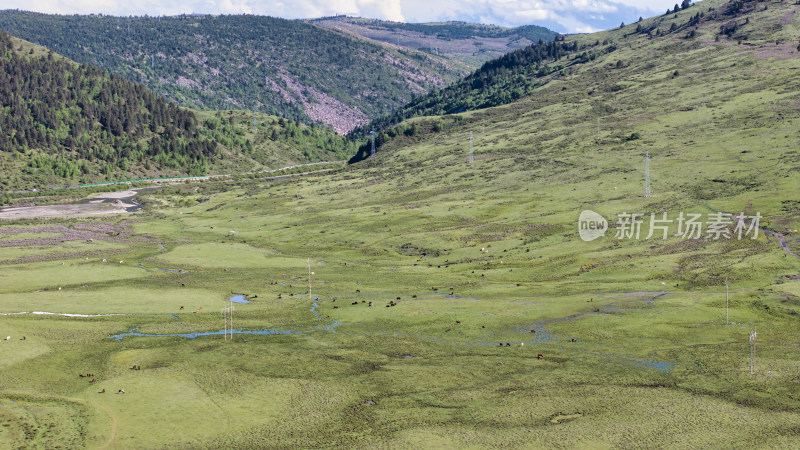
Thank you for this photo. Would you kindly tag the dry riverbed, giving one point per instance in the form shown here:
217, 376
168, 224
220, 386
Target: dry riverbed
106, 203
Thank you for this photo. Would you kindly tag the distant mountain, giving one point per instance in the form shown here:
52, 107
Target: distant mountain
281, 67
66, 123
470, 45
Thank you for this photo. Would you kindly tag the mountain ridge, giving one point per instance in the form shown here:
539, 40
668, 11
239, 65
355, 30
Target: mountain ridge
281, 67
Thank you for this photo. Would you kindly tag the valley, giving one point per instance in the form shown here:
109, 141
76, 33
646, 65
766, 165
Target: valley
441, 293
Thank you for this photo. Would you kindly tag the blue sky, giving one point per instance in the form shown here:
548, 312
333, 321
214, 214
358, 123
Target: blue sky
566, 16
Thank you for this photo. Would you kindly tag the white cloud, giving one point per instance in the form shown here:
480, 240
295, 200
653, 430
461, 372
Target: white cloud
532, 15
650, 5
562, 15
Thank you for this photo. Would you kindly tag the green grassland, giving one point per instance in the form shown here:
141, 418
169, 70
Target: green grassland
636, 351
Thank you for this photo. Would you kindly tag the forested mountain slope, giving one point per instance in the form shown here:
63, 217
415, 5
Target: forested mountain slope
67, 123
281, 67
70, 121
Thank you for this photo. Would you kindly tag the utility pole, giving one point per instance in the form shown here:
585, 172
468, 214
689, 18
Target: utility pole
254, 118
309, 277
726, 300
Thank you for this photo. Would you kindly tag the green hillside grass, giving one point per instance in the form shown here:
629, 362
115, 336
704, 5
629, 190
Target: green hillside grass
520, 73
636, 352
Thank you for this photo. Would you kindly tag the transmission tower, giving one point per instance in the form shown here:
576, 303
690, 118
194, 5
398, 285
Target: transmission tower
372, 133
726, 300
647, 175
470, 147
753, 350
227, 316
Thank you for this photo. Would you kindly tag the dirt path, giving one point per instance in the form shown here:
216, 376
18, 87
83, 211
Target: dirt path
112, 419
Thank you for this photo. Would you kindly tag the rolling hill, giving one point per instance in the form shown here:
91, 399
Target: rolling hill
631, 63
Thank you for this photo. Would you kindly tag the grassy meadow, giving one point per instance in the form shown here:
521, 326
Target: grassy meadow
473, 270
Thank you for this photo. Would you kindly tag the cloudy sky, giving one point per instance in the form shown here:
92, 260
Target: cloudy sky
566, 16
